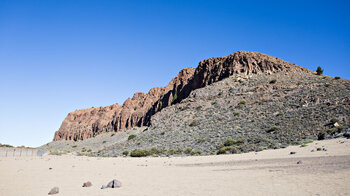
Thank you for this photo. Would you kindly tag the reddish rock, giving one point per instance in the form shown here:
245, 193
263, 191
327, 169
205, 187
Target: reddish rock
53, 191
87, 184
137, 111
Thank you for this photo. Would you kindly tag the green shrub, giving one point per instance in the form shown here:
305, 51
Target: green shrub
273, 81
184, 108
231, 142
333, 121
125, 153
306, 141
319, 71
321, 135
140, 153
171, 151
74, 146
224, 150
56, 152
337, 77
178, 151
197, 152
319, 149
188, 150
242, 102
155, 151
347, 135
6, 145
201, 140
89, 150
272, 129
174, 99
132, 136
231, 90
194, 123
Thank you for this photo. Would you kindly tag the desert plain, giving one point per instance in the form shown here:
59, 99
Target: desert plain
320, 168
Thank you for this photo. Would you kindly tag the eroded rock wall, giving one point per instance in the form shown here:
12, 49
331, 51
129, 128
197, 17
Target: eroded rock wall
138, 110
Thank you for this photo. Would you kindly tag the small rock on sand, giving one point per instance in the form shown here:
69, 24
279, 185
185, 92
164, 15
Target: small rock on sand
87, 184
112, 184
292, 152
54, 190
299, 162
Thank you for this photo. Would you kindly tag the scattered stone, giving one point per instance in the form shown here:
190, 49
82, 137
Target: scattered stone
336, 124
324, 149
312, 150
87, 184
347, 135
112, 184
50, 168
54, 190
299, 162
292, 152
103, 187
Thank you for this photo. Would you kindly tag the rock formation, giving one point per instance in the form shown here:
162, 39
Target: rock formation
137, 111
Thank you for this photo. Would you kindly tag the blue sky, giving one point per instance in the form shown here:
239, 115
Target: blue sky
63, 55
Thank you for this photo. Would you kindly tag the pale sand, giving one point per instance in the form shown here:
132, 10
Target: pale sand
270, 172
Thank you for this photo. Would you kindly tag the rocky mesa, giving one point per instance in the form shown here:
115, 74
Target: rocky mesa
138, 110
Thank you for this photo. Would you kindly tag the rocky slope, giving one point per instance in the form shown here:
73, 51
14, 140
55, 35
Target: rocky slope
238, 114
137, 111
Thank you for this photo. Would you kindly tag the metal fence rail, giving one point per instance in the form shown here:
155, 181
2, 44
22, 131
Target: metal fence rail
21, 152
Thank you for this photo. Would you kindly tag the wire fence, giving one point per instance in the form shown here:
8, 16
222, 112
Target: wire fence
21, 152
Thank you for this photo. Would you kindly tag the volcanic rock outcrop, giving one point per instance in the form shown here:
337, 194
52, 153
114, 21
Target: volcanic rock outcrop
138, 110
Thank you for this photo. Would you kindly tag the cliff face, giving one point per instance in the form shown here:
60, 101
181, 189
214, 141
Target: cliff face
137, 111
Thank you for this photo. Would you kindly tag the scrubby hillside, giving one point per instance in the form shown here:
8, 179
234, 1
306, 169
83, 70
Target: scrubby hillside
245, 112
138, 110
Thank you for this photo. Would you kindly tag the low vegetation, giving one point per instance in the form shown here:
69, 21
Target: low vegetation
273, 81
6, 145
132, 136
126, 153
319, 71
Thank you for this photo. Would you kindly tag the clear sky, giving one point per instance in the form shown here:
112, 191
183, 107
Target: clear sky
57, 56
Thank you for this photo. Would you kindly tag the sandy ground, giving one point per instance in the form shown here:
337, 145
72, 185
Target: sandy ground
270, 172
